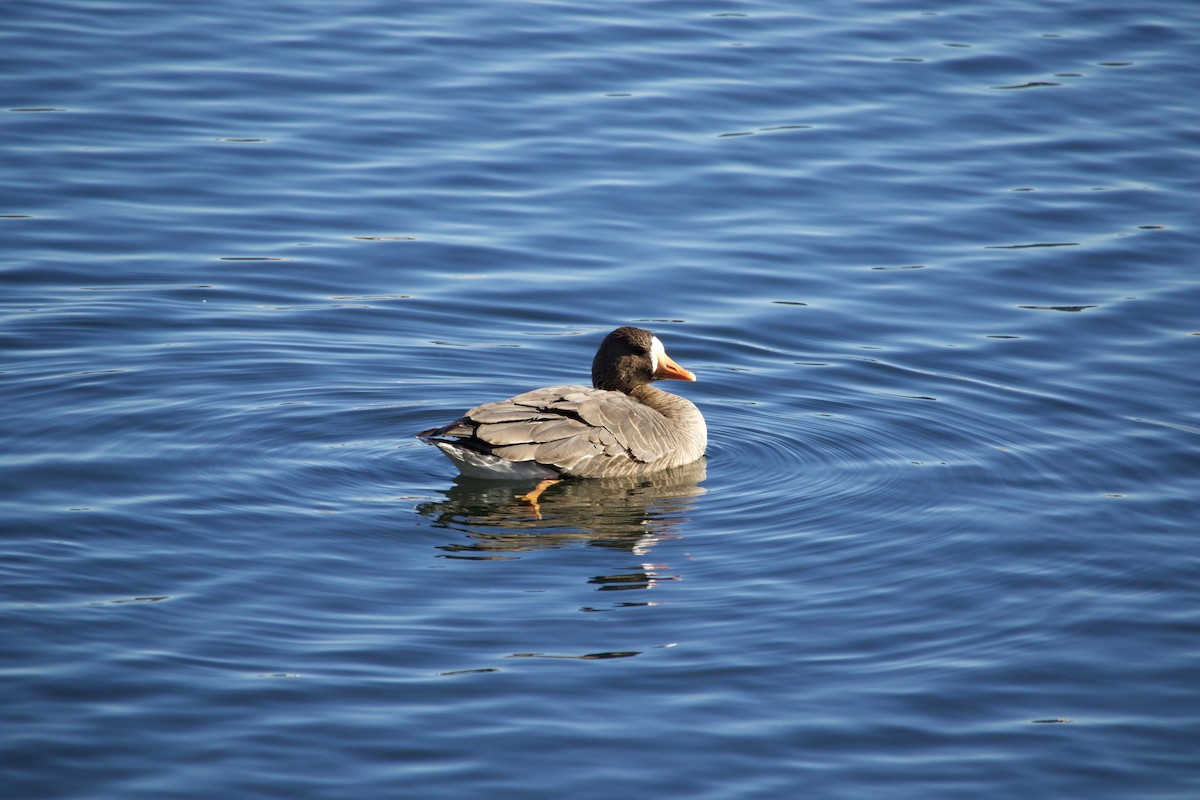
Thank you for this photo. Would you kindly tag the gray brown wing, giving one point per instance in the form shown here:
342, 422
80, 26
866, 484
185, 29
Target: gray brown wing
640, 430
574, 429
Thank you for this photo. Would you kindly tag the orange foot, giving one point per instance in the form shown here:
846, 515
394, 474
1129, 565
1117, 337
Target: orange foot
532, 497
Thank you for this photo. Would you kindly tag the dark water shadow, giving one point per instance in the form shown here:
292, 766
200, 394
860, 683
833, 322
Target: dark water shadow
630, 514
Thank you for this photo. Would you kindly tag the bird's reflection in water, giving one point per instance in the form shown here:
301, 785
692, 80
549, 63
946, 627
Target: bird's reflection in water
630, 514
626, 515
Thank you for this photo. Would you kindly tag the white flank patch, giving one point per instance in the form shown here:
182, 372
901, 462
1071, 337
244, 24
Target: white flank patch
482, 465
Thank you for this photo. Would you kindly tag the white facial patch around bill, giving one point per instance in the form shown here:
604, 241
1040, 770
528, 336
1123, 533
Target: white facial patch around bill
656, 350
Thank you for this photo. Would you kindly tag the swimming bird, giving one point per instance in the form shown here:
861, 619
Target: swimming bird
620, 426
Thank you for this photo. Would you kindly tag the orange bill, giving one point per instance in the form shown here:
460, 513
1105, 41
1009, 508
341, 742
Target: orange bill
669, 369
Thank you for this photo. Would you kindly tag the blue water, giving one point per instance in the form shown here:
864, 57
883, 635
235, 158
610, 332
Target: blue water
934, 266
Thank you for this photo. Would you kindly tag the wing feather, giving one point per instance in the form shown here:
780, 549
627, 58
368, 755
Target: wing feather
574, 430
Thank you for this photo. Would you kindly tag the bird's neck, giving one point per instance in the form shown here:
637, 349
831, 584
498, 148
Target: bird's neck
669, 405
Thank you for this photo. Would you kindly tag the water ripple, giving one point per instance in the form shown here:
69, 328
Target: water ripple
251, 248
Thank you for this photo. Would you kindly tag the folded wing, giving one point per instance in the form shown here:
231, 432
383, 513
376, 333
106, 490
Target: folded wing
573, 430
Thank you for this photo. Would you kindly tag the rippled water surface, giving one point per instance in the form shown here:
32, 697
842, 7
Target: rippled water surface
934, 266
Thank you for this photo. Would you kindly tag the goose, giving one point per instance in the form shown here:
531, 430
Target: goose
620, 426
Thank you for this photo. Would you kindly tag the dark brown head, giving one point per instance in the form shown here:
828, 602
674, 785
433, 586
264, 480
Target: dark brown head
630, 357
